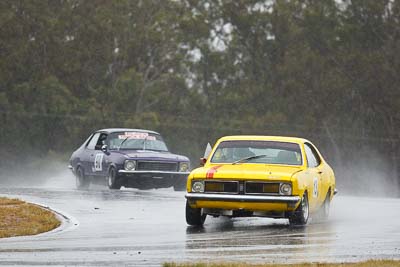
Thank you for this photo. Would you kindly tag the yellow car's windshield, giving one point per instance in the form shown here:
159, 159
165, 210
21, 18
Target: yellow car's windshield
265, 152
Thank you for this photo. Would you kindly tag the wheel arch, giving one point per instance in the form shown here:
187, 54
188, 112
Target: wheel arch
329, 191
305, 191
80, 166
112, 165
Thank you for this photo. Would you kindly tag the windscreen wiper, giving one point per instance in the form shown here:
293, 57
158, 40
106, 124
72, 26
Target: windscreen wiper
122, 143
248, 158
144, 142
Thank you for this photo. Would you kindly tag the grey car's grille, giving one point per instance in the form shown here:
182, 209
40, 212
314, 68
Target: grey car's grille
157, 166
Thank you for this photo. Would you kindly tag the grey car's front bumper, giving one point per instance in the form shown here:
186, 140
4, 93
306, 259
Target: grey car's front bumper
242, 198
145, 179
151, 172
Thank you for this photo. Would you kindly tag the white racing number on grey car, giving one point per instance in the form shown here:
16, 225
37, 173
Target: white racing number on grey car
98, 167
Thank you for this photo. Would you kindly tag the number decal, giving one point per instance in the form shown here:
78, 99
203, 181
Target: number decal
98, 167
315, 191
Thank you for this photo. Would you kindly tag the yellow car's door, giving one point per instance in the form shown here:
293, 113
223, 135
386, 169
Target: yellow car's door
315, 173
325, 171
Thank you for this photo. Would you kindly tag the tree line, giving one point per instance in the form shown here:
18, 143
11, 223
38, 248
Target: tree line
196, 70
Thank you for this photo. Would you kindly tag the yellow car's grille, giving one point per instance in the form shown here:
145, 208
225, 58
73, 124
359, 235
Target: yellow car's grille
221, 187
261, 188
241, 187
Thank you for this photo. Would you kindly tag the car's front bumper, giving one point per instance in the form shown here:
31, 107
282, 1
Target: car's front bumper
252, 203
153, 179
242, 198
151, 172
71, 168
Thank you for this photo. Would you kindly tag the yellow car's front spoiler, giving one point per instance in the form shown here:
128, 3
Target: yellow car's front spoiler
243, 198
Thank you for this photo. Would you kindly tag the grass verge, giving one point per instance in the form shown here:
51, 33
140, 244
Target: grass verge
19, 218
370, 263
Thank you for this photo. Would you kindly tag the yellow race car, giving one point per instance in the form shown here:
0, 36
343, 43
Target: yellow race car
263, 176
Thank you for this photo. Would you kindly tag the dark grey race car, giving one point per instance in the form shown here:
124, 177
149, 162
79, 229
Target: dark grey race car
128, 157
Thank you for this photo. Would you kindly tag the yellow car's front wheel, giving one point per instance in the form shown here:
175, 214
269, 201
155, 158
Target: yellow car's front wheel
301, 214
194, 216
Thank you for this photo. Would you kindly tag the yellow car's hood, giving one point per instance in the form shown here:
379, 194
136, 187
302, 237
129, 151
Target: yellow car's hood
246, 171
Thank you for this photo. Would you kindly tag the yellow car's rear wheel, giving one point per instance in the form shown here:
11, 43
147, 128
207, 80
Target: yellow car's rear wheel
323, 212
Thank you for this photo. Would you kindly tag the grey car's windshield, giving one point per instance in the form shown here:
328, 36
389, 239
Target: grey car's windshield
136, 141
265, 152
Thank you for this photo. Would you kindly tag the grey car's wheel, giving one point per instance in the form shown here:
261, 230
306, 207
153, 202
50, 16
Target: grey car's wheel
82, 182
180, 185
112, 179
301, 214
194, 216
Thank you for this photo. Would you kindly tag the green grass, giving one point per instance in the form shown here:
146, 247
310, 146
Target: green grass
370, 263
19, 218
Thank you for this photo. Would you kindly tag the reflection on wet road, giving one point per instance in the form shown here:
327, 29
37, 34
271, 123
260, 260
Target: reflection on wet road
133, 228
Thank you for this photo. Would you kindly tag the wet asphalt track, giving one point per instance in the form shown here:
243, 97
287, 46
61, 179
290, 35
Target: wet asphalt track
146, 228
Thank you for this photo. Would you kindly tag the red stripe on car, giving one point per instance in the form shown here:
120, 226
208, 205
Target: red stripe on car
211, 171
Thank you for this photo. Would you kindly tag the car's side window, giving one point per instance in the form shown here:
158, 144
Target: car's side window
313, 159
316, 155
101, 141
92, 143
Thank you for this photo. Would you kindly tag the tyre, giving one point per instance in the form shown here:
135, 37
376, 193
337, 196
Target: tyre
112, 179
323, 212
82, 182
180, 185
301, 214
194, 216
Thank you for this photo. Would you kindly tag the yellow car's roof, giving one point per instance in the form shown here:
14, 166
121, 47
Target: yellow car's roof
264, 138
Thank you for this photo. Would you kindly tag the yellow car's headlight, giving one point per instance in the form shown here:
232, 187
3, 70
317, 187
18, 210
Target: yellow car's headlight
285, 189
198, 186
184, 166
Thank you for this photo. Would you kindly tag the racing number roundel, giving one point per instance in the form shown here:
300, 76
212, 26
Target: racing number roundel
315, 191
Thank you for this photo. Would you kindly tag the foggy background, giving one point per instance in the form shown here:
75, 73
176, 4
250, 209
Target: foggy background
328, 71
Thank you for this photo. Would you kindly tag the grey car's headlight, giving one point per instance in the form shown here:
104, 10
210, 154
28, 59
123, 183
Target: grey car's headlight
285, 189
198, 187
184, 166
130, 165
